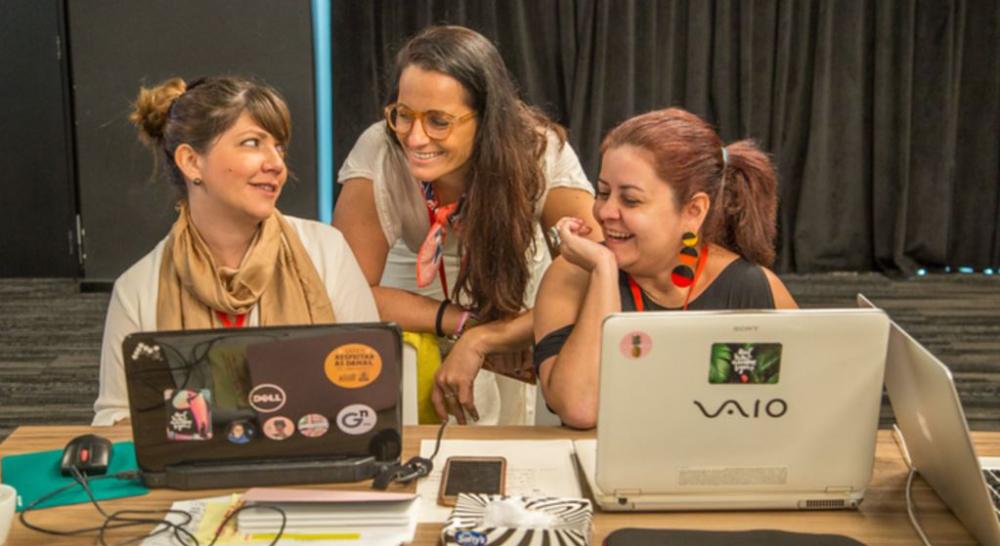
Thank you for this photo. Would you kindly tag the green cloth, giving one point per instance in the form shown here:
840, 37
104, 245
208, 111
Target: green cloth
35, 475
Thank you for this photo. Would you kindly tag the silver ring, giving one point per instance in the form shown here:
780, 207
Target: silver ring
554, 235
449, 395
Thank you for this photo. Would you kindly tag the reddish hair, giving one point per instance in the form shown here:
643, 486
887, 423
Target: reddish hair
687, 154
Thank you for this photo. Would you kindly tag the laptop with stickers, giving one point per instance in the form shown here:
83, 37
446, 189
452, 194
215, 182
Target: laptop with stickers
935, 434
264, 406
735, 410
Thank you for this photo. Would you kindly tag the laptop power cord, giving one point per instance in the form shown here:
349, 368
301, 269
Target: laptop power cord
415, 468
897, 435
131, 518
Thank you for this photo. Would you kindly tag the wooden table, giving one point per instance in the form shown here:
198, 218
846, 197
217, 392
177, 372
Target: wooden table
880, 520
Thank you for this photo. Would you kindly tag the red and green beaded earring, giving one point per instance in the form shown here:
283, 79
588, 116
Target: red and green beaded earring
683, 274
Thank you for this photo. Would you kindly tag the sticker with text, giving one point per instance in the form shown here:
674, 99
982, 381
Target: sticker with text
356, 419
189, 414
745, 363
635, 345
353, 366
267, 398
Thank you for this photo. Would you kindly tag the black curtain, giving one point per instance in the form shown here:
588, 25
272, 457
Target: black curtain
882, 116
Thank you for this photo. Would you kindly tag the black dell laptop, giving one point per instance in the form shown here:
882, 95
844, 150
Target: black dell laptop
265, 406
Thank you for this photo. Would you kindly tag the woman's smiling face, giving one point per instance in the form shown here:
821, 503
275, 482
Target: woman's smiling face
429, 159
637, 211
243, 172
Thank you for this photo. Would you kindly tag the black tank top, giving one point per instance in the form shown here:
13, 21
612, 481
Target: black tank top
741, 285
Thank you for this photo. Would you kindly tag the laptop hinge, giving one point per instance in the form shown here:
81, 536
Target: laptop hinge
627, 493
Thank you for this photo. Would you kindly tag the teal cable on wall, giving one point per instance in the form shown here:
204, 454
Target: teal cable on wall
324, 108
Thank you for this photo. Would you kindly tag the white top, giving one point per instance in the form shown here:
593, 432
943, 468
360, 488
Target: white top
133, 305
402, 213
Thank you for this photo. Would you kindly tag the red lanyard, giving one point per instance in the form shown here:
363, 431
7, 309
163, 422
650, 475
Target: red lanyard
637, 292
238, 322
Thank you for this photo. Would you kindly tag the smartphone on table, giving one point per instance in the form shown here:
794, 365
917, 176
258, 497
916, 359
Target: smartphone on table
487, 475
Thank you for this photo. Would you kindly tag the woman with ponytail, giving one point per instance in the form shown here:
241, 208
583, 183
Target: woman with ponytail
687, 223
231, 259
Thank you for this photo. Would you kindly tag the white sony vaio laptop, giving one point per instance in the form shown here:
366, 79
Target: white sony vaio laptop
936, 436
734, 410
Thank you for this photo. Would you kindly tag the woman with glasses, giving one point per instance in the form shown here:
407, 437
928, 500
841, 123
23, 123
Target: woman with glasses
445, 204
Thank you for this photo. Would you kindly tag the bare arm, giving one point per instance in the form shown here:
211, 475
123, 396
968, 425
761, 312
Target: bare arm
573, 203
782, 297
570, 380
355, 216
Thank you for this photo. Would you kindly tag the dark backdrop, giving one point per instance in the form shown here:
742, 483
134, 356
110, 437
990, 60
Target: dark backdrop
118, 45
882, 117
37, 202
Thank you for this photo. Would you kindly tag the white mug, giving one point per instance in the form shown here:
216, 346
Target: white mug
8, 500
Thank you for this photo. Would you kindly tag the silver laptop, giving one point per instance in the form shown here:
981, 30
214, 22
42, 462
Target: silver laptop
936, 435
737, 410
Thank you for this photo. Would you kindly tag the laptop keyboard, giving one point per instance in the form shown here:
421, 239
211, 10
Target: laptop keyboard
992, 478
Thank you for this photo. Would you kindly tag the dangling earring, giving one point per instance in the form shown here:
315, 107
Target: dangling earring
683, 275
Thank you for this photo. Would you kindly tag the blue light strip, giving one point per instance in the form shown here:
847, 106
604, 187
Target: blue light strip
324, 109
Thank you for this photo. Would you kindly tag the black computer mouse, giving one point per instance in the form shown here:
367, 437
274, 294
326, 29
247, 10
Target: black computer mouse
90, 454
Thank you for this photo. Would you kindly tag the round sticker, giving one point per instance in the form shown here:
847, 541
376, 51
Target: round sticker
240, 432
636, 344
267, 398
313, 425
356, 419
279, 428
353, 365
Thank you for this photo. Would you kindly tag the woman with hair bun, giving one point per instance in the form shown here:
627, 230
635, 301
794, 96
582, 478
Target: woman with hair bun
687, 223
446, 202
231, 259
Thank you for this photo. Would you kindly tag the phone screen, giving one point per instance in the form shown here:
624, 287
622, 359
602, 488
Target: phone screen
474, 477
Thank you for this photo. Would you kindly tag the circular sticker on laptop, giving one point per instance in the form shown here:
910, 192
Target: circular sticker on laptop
267, 398
279, 428
635, 344
356, 419
313, 425
353, 366
240, 432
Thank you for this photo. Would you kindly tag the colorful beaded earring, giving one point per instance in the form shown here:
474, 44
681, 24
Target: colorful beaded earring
683, 274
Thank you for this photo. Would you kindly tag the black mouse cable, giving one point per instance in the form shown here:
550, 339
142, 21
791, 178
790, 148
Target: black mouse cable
119, 518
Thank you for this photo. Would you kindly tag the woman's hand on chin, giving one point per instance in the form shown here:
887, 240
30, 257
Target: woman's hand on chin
577, 248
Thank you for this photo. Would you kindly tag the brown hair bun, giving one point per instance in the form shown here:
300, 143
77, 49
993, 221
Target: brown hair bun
152, 106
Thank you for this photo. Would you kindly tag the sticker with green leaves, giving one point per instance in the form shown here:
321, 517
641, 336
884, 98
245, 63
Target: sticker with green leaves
745, 363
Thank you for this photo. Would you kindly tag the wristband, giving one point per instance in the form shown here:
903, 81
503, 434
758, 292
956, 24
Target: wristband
440, 315
461, 323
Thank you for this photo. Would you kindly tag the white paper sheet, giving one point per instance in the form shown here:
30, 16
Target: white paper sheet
537, 468
364, 535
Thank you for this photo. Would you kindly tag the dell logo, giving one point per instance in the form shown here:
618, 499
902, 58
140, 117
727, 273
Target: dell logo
775, 408
267, 398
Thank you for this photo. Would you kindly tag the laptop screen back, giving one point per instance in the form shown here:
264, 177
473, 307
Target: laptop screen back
253, 394
701, 402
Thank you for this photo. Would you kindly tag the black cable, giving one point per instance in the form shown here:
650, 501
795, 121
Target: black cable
121, 518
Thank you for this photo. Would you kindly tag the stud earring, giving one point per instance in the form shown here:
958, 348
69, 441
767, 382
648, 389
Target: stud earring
197, 182
683, 274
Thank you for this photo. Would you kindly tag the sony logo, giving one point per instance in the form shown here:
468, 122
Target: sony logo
776, 407
744, 328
